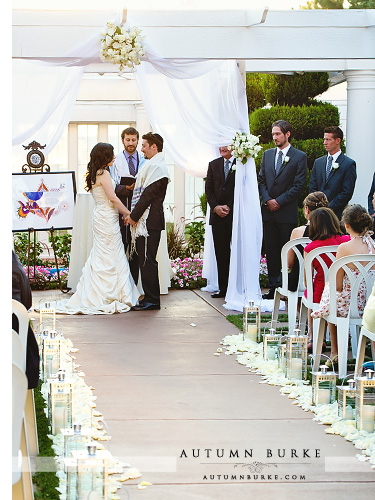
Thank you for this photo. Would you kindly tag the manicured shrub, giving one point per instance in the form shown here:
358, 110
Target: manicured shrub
308, 122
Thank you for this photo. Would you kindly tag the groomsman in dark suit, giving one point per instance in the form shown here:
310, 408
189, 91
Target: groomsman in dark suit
335, 173
282, 178
219, 189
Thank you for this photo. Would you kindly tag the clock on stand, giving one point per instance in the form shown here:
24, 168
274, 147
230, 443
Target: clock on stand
35, 163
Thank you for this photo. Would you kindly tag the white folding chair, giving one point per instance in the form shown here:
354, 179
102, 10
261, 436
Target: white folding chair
21, 474
283, 290
354, 319
30, 419
307, 302
364, 335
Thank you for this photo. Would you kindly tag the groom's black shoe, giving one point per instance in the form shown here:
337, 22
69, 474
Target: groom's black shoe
145, 306
218, 295
269, 295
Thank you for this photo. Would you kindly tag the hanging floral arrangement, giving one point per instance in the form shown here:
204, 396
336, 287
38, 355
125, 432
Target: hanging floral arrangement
245, 146
122, 46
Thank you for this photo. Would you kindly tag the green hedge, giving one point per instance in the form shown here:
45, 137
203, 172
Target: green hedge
308, 122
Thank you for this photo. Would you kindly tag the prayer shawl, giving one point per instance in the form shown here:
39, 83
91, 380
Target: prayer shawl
153, 170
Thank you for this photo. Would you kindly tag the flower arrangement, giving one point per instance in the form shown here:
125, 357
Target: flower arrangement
245, 146
45, 278
188, 273
263, 272
122, 46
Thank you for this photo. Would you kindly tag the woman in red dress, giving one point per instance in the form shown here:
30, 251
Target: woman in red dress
324, 231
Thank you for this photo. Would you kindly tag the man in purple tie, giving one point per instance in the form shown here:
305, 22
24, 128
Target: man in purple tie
334, 174
126, 165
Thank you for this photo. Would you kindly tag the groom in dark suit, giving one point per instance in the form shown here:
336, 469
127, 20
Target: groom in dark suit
282, 178
334, 174
219, 190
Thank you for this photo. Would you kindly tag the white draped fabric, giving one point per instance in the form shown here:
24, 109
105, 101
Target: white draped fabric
195, 105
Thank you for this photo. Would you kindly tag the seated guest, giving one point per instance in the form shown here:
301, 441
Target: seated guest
21, 291
310, 203
371, 202
324, 231
358, 224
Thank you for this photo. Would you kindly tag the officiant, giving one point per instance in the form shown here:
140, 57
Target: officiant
124, 172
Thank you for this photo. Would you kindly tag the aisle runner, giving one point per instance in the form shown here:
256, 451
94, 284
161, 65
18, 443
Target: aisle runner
250, 354
88, 416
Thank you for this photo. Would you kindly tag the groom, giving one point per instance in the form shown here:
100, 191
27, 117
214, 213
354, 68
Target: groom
147, 218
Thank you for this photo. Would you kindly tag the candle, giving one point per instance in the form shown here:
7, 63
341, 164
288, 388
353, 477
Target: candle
324, 396
368, 418
296, 368
348, 413
271, 352
252, 332
59, 418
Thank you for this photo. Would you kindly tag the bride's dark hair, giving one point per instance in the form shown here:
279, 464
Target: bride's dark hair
100, 156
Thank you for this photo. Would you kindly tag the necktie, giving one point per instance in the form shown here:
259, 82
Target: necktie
279, 162
329, 166
226, 168
131, 166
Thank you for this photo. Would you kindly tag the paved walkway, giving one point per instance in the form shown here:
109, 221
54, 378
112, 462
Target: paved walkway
164, 396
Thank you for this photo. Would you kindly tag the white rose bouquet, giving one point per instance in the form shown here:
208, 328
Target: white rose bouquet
245, 146
122, 46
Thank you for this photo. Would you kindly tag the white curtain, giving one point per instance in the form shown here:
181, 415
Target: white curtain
195, 105
195, 115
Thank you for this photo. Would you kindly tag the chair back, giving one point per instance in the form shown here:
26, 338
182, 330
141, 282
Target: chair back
17, 351
23, 323
19, 391
293, 245
325, 256
363, 264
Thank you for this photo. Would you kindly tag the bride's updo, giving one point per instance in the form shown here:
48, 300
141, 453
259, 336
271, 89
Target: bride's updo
358, 219
100, 156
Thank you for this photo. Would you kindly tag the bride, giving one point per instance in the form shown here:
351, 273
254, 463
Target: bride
106, 285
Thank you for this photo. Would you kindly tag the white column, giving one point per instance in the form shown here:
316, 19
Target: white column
360, 129
179, 198
102, 132
73, 147
143, 123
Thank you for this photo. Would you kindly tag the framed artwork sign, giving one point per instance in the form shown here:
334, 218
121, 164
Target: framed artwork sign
42, 201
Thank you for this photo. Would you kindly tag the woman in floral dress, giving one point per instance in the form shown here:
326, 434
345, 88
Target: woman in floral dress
358, 224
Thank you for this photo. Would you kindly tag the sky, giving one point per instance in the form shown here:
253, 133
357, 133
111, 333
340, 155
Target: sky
159, 4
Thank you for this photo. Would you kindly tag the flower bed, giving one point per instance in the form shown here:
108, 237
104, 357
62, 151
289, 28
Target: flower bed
45, 278
188, 273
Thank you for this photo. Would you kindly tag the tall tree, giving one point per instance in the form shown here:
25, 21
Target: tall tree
361, 4
323, 4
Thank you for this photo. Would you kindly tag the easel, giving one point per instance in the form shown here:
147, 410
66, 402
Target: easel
35, 163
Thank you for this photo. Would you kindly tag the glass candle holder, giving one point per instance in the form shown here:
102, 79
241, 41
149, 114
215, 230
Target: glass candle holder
323, 386
346, 400
296, 355
365, 402
251, 322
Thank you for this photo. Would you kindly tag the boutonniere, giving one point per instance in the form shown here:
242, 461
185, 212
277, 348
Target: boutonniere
286, 159
233, 169
335, 165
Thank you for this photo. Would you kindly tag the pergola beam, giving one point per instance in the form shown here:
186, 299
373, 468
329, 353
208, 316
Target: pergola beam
303, 40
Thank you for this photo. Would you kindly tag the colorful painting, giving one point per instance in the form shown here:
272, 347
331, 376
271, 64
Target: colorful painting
43, 200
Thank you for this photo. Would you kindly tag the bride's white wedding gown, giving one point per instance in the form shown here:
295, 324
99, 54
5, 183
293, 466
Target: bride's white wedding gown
106, 285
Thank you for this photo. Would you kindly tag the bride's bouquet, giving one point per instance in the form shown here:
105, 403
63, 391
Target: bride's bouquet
122, 46
245, 146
